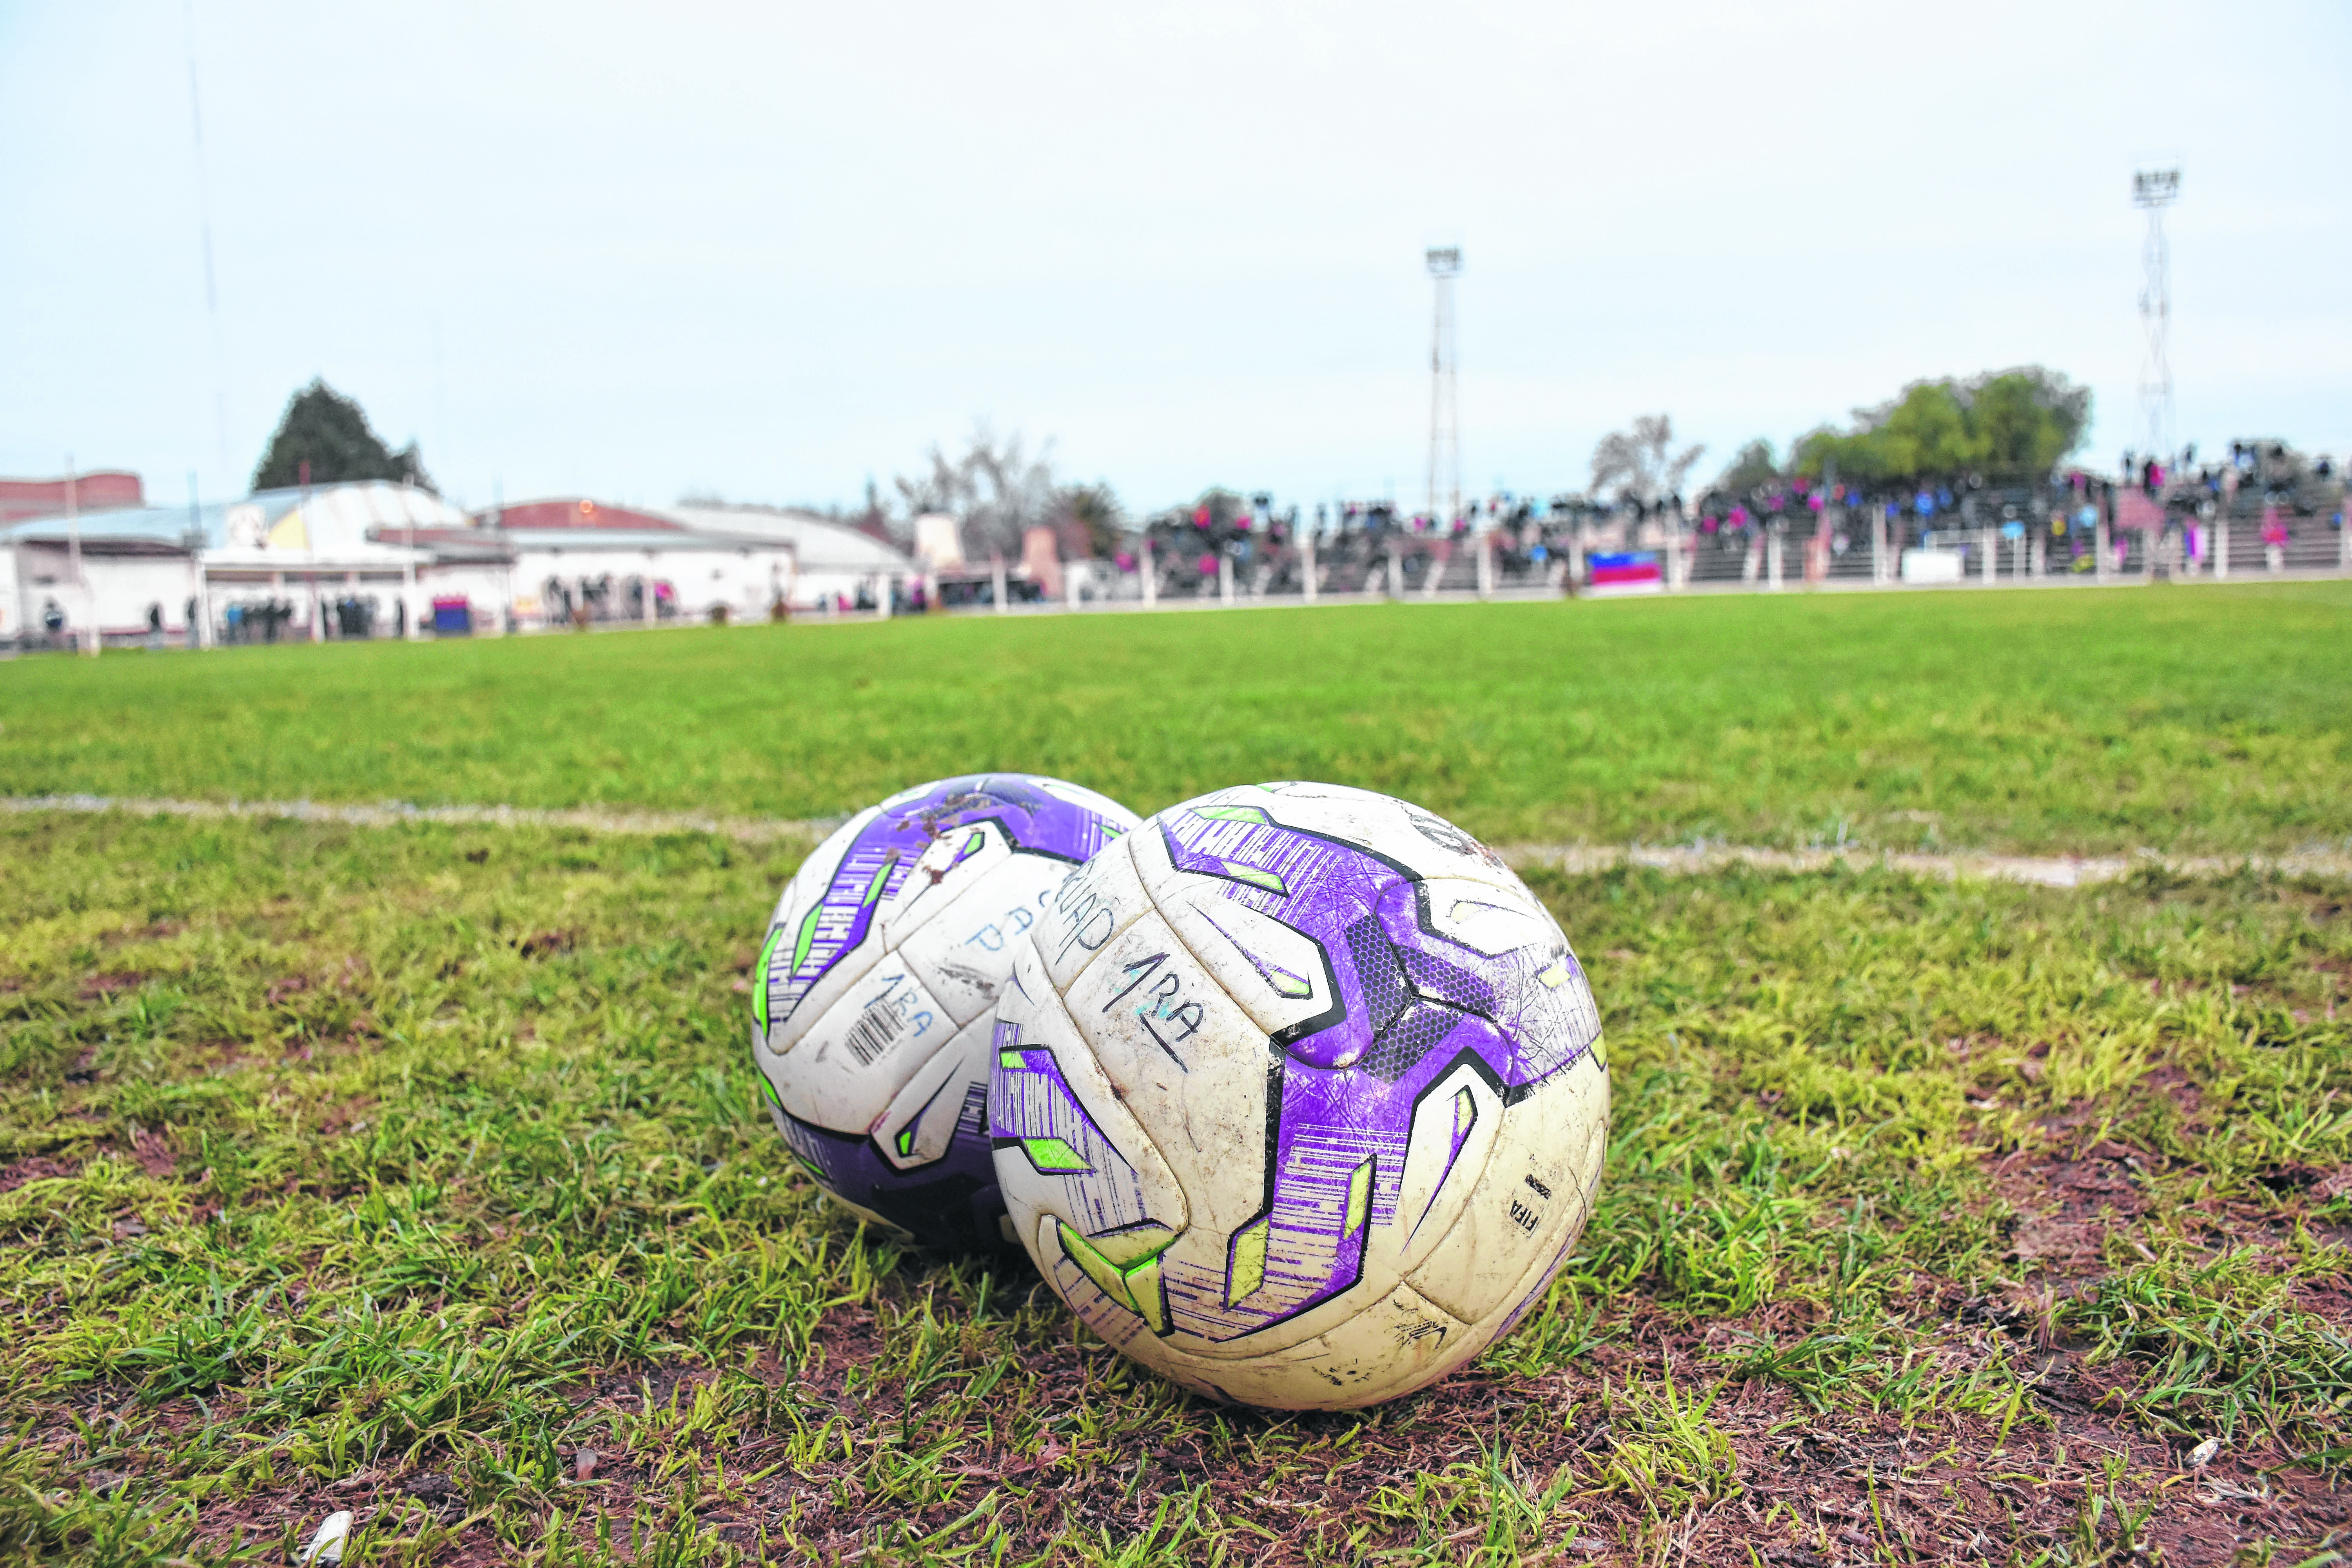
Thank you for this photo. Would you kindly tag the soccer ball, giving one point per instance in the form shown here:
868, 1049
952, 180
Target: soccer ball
876, 992
1298, 1096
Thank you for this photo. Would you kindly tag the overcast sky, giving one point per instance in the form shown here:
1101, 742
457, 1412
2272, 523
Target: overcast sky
773, 251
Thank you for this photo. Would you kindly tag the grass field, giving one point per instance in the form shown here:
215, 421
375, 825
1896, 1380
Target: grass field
392, 1169
2194, 719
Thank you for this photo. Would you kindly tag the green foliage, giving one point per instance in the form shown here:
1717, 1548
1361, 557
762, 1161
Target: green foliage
2003, 424
1752, 467
2205, 721
330, 432
1093, 520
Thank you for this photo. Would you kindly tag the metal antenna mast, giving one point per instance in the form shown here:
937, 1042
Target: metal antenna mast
1444, 422
2154, 189
204, 220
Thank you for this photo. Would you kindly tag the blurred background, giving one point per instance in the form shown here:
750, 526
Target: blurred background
773, 254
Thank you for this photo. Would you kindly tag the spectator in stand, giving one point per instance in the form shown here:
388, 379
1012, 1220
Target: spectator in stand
2273, 537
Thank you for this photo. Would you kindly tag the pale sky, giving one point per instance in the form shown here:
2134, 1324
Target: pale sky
770, 251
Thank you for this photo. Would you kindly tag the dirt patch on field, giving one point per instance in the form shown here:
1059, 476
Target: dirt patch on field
1788, 1485
2066, 1209
38, 1167
109, 982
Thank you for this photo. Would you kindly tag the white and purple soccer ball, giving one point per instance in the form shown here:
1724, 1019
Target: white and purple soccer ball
874, 994
1298, 1096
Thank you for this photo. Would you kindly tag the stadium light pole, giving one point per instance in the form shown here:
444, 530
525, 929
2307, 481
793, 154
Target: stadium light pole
2153, 190
1444, 421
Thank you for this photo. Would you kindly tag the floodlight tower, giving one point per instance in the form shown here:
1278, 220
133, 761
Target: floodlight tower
1445, 422
2154, 190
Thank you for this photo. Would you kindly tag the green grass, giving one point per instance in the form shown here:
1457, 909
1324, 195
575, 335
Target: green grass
2204, 720
387, 1169
391, 1169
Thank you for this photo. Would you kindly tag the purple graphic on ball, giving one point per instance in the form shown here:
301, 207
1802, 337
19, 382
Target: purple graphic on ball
952, 1198
1410, 1008
883, 854
953, 1201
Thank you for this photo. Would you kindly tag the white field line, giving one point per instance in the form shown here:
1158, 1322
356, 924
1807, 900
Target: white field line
395, 812
2051, 871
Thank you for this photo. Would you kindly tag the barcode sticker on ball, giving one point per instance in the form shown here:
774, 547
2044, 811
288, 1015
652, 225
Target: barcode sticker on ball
875, 1033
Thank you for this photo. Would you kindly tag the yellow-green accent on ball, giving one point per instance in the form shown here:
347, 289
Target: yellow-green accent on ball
1135, 1287
1359, 1199
1249, 1262
1054, 1156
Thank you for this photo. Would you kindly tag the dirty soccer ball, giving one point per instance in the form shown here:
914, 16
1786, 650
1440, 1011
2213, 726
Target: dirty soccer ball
874, 994
1298, 1096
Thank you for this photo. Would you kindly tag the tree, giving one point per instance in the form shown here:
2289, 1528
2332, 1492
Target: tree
1091, 521
330, 433
997, 492
1640, 463
2004, 424
1752, 470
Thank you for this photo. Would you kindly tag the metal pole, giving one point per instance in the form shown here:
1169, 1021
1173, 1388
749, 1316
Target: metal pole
2099, 539
86, 633
1444, 419
1150, 575
1307, 562
1879, 572
2221, 525
1484, 544
1987, 567
996, 581
1225, 579
408, 571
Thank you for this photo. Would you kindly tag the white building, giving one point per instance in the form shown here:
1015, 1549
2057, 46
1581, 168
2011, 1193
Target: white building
377, 559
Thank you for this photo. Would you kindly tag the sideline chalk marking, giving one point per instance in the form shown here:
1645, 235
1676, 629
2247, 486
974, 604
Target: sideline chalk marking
2049, 871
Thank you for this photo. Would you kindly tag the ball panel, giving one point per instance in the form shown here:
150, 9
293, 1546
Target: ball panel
1065, 1144
1500, 1323
874, 1014
951, 1202
945, 1092
1487, 918
881, 854
964, 950
860, 1052
949, 867
1278, 975
1372, 1019
1455, 1127
1530, 1192
1092, 905
1394, 1340
1395, 830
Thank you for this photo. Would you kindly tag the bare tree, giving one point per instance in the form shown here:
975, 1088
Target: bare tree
1640, 464
996, 490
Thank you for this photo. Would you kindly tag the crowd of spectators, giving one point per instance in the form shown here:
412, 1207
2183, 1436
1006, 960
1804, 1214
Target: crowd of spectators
1358, 546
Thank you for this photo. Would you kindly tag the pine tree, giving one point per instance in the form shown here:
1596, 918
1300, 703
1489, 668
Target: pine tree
330, 432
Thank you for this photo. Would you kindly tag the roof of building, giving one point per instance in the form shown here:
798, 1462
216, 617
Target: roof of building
820, 544
574, 513
340, 523
378, 524
102, 489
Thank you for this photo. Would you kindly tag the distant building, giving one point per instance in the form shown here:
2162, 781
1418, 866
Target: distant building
375, 559
108, 489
